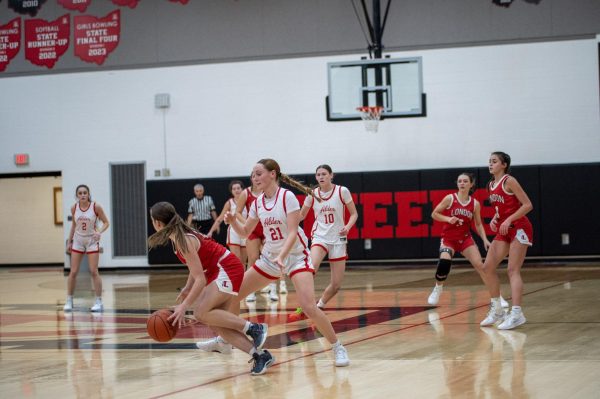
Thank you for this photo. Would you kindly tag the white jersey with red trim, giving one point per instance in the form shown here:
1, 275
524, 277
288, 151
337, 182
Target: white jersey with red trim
85, 220
233, 207
329, 213
272, 213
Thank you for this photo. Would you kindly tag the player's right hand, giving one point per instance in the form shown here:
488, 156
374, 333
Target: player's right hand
229, 217
494, 225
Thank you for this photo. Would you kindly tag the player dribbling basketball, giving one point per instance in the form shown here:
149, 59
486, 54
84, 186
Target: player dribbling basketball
213, 284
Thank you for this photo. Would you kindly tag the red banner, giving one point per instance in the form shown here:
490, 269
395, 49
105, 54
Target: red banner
95, 38
30, 7
46, 41
77, 5
10, 41
127, 3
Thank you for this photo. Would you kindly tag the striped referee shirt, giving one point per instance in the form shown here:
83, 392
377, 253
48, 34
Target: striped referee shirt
201, 208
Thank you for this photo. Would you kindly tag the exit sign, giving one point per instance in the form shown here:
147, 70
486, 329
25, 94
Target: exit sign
21, 159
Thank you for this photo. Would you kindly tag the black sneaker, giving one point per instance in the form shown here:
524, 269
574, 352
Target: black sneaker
258, 333
261, 362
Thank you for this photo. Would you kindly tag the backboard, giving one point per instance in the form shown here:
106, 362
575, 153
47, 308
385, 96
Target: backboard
394, 83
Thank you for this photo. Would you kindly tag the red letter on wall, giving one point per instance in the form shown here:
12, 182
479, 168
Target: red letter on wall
407, 214
373, 216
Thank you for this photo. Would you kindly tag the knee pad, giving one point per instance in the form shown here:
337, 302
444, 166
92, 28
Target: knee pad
443, 269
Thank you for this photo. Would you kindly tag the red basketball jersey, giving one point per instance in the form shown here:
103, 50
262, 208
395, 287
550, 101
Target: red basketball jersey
258, 230
462, 211
210, 252
505, 203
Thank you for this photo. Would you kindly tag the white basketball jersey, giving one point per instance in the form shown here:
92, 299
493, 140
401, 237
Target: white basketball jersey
85, 221
233, 207
272, 213
329, 213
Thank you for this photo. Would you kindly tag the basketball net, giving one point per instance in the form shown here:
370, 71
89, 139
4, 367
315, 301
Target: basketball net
371, 117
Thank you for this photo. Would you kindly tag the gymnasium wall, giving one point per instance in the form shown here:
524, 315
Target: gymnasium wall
394, 209
537, 101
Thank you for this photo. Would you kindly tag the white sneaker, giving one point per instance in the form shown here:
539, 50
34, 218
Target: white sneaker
251, 297
215, 344
494, 316
265, 289
273, 292
98, 306
341, 356
434, 297
514, 319
505, 305
283, 287
68, 305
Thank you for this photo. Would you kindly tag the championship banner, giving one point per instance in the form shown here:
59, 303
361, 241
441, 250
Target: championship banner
179, 1
95, 38
46, 41
30, 7
10, 42
127, 3
77, 5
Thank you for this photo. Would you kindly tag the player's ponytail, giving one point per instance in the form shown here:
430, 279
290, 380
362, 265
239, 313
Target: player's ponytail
272, 165
298, 185
165, 213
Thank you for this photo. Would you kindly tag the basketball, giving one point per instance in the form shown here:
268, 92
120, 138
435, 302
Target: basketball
159, 328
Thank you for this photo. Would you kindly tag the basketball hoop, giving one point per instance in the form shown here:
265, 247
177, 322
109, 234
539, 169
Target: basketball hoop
371, 117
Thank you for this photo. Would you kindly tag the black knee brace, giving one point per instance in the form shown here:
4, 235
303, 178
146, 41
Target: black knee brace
443, 269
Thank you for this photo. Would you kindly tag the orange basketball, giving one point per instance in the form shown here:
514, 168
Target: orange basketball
159, 328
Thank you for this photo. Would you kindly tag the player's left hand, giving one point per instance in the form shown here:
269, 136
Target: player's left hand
504, 227
279, 262
344, 231
486, 245
178, 316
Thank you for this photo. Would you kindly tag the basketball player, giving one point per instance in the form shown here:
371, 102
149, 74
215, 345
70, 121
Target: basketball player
84, 238
329, 232
285, 250
213, 284
457, 211
255, 241
514, 236
235, 243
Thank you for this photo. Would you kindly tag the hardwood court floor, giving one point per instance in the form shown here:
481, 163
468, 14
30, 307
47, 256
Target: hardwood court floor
399, 346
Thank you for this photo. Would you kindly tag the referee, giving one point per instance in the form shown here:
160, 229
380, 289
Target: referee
201, 211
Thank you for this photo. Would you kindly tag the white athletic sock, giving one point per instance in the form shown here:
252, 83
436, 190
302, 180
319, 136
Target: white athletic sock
337, 344
321, 304
246, 327
516, 309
